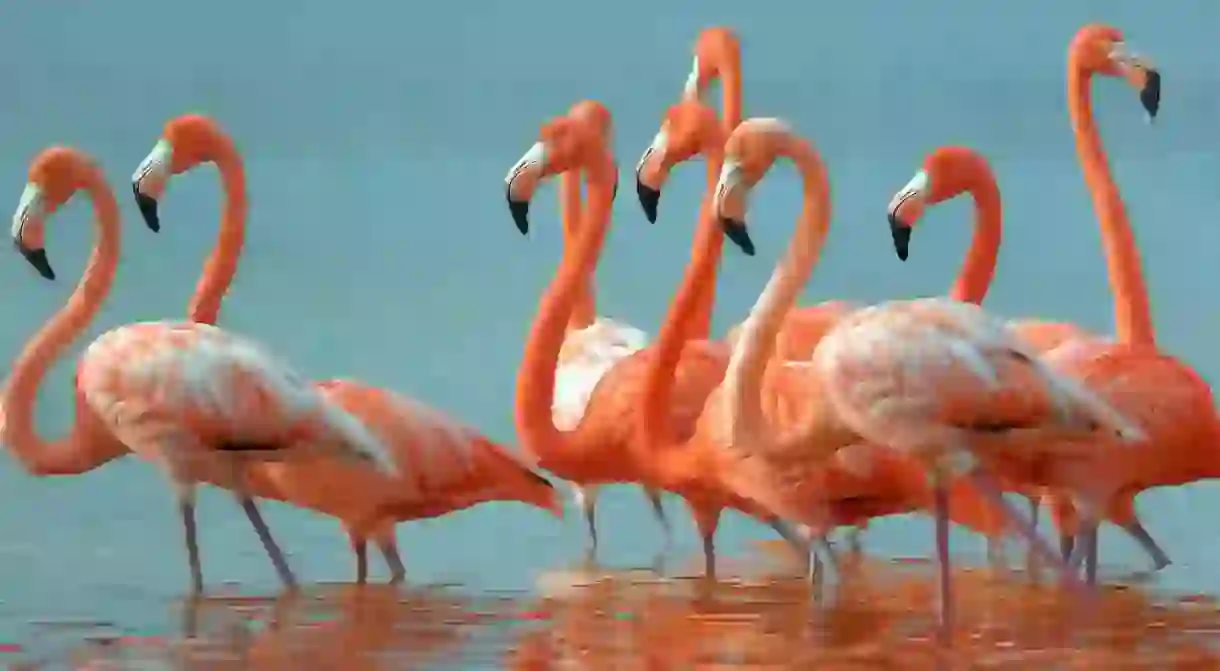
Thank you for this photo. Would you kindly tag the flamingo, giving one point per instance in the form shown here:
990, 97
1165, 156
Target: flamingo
199, 401
1168, 398
929, 378
600, 449
718, 56
682, 356
440, 465
593, 344
945, 174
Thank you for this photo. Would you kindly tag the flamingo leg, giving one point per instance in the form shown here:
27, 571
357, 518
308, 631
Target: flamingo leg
709, 555
854, 541
360, 547
1025, 529
269, 545
1031, 559
796, 541
587, 498
186, 508
389, 550
658, 511
940, 495
1159, 559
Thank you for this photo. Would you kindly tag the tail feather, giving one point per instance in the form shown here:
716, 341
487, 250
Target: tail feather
1074, 398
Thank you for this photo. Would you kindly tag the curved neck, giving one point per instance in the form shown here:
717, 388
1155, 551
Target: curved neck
978, 270
700, 324
84, 447
221, 266
1132, 314
757, 341
536, 376
680, 321
570, 201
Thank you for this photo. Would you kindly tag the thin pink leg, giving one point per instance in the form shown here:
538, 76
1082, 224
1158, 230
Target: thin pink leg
941, 502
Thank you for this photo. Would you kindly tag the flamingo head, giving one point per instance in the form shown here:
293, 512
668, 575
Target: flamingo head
187, 141
946, 173
566, 143
712, 46
1100, 49
690, 127
749, 153
55, 175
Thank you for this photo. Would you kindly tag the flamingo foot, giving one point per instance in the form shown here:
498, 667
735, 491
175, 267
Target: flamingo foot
389, 551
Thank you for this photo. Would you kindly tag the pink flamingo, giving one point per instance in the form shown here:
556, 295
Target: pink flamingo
440, 465
199, 401
1167, 397
601, 448
937, 379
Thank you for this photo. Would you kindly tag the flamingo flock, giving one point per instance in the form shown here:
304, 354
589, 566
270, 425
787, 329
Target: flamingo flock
807, 418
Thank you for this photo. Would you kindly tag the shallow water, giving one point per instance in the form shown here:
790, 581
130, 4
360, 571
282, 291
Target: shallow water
379, 248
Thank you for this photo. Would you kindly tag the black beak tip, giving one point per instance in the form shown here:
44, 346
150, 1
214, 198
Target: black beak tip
650, 199
38, 259
148, 209
1150, 95
520, 209
737, 232
902, 237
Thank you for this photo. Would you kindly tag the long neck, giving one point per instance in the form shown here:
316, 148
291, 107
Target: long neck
536, 377
700, 325
570, 201
757, 342
221, 266
83, 448
1132, 314
978, 270
679, 322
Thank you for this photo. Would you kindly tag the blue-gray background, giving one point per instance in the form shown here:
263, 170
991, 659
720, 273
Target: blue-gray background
376, 136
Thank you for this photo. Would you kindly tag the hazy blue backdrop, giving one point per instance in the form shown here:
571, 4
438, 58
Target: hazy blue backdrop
376, 136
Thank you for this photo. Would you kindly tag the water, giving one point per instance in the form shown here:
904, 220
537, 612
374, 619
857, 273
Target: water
380, 248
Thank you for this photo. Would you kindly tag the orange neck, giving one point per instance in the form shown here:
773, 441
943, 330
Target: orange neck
979, 268
1132, 314
221, 266
87, 445
536, 376
757, 341
585, 311
684, 310
729, 71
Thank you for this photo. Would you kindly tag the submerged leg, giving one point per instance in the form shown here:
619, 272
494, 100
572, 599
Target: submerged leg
269, 545
389, 550
186, 508
1031, 559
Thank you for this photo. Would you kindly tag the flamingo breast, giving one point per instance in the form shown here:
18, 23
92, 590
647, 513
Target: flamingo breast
587, 355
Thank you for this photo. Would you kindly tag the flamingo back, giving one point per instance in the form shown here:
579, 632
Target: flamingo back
224, 391
442, 464
585, 358
1045, 336
915, 374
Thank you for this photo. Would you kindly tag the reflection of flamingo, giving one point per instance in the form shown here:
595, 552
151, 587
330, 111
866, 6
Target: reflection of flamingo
949, 172
922, 377
1168, 398
441, 465
682, 352
196, 399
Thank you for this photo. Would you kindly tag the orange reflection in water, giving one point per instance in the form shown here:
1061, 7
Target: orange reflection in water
879, 615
